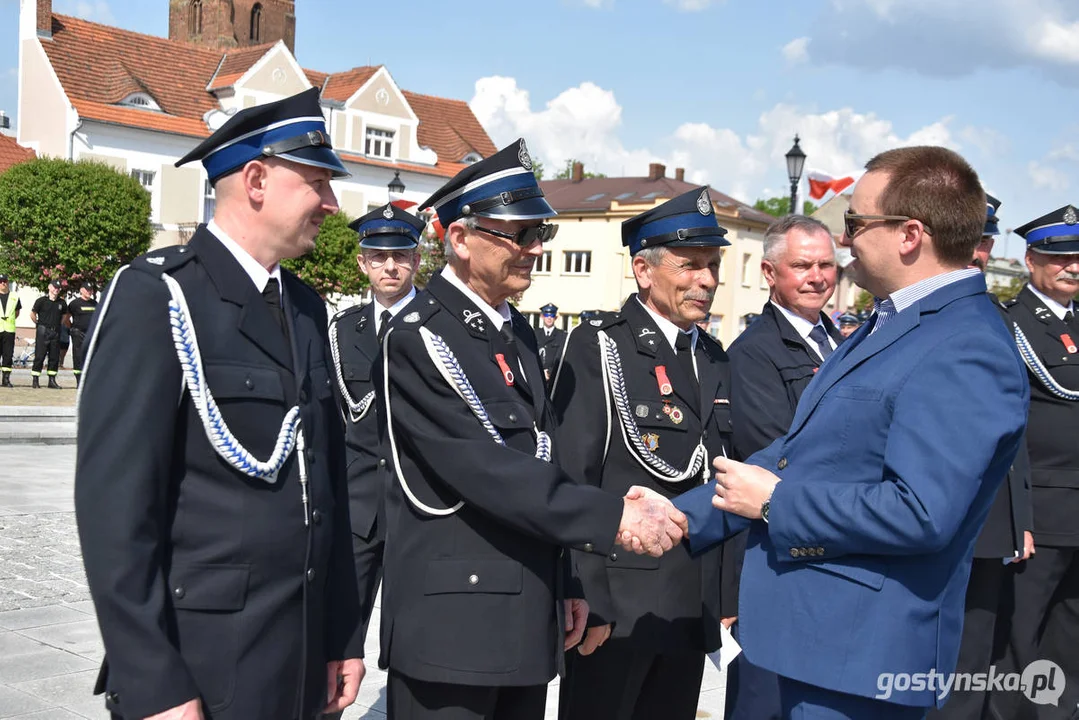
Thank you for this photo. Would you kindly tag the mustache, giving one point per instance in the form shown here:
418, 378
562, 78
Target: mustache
1068, 275
702, 296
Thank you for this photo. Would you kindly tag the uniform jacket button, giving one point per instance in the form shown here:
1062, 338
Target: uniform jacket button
794, 552
113, 698
614, 557
179, 592
316, 517
513, 417
311, 575
782, 464
820, 552
588, 547
473, 579
382, 462
328, 382
250, 385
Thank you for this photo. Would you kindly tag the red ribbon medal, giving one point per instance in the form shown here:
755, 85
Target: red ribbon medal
665, 387
1069, 344
505, 368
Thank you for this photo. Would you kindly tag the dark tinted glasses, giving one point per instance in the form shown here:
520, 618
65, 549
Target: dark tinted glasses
525, 237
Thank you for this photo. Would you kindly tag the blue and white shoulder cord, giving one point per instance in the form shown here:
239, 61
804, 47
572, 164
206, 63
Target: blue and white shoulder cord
447, 365
221, 438
1039, 370
356, 410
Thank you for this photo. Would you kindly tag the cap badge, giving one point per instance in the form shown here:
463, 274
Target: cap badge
524, 157
1069, 216
388, 213
641, 411
704, 203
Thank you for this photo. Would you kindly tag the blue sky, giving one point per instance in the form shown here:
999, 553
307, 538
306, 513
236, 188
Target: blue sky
718, 87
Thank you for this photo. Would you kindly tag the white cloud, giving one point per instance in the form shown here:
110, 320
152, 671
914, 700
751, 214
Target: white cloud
96, 10
1067, 151
689, 5
1044, 176
796, 51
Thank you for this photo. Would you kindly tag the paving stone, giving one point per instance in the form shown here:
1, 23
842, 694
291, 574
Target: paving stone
80, 637
63, 690
13, 703
12, 644
42, 663
51, 714
37, 617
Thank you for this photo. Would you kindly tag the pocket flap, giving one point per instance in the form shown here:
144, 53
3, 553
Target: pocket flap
650, 414
209, 587
857, 392
861, 575
628, 560
509, 414
356, 372
238, 381
473, 576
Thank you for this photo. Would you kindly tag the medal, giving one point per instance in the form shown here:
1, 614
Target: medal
651, 441
676, 415
507, 374
665, 387
1069, 344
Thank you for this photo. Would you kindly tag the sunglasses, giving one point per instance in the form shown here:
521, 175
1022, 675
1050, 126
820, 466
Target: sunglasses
525, 237
852, 222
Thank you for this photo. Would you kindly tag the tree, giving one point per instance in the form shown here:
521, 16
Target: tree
1008, 292
331, 267
778, 207
567, 172
864, 301
72, 222
537, 169
432, 256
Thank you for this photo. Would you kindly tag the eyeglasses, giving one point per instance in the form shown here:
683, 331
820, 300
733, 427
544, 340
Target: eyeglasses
525, 237
378, 259
853, 221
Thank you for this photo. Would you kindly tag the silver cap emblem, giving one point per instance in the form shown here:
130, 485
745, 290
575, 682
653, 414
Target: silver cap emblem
388, 212
704, 203
1069, 216
524, 157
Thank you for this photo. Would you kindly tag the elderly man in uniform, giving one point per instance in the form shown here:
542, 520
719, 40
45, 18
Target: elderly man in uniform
209, 482
551, 341
642, 398
772, 363
475, 611
1045, 619
49, 314
9, 311
388, 240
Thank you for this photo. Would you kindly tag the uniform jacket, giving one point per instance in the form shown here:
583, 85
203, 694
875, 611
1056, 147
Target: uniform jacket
205, 581
662, 604
887, 472
551, 348
470, 597
1054, 452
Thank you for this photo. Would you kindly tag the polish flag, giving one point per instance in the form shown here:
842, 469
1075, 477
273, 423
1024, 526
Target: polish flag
820, 183
402, 204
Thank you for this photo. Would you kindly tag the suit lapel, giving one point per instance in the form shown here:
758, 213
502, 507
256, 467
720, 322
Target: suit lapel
710, 374
1054, 326
534, 386
300, 331
788, 334
366, 337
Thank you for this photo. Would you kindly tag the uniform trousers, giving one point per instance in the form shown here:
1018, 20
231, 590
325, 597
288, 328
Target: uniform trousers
7, 350
411, 699
78, 349
47, 344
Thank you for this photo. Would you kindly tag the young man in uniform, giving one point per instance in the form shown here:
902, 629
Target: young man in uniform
9, 311
49, 313
80, 312
551, 341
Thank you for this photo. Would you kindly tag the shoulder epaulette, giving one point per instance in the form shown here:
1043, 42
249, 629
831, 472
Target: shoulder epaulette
417, 312
163, 260
341, 314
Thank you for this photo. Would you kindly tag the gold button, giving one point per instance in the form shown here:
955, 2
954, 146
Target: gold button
782, 463
473, 579
820, 552
794, 552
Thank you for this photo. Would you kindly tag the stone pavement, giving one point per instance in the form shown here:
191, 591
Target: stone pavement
50, 647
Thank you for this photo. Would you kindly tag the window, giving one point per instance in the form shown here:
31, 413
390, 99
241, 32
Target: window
577, 263
543, 264
472, 157
594, 198
379, 143
145, 178
715, 326
256, 23
209, 201
533, 319
141, 101
746, 272
194, 20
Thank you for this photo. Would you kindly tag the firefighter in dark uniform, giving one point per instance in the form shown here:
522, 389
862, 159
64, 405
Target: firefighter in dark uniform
642, 398
1045, 618
388, 239
81, 311
49, 313
475, 615
551, 341
209, 481
1005, 540
10, 305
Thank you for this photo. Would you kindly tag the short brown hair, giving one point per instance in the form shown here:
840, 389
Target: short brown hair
940, 188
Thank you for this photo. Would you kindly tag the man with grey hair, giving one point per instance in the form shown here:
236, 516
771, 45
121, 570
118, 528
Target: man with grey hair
772, 362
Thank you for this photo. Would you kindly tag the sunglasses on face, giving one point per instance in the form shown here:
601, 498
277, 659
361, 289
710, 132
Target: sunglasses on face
852, 222
525, 237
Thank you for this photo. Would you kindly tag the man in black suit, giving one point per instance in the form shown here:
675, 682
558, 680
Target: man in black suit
772, 362
209, 491
642, 398
1045, 619
476, 612
551, 341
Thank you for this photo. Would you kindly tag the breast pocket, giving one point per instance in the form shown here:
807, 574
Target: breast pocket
511, 418
650, 414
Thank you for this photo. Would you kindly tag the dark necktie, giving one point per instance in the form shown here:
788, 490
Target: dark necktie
1068, 317
820, 338
272, 295
383, 325
683, 346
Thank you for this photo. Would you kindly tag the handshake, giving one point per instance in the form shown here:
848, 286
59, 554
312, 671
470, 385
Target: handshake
650, 523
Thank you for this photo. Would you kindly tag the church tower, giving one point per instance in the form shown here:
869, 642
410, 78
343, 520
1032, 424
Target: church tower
227, 24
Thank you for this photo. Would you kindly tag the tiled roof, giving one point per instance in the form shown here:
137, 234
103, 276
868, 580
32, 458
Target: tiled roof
98, 66
599, 194
12, 153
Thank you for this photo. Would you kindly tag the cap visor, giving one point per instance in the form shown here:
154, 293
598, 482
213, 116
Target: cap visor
1067, 247
322, 157
388, 242
699, 241
536, 208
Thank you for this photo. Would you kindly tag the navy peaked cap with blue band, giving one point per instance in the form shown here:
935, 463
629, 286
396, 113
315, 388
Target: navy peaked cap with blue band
388, 228
293, 129
550, 309
1054, 234
991, 219
688, 220
502, 186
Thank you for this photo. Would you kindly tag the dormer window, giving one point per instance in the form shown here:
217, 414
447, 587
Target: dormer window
472, 157
141, 101
379, 143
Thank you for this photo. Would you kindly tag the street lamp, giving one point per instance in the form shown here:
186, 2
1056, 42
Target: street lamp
396, 187
796, 160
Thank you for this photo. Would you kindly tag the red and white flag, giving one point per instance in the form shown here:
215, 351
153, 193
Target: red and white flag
820, 183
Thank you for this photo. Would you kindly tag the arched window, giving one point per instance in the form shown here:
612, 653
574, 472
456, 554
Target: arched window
195, 21
256, 23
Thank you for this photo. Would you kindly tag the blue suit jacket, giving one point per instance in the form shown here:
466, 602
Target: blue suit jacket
888, 470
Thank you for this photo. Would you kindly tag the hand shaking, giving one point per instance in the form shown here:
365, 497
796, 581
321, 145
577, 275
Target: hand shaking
650, 523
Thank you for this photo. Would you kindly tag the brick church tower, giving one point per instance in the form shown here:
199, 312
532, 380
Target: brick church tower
233, 23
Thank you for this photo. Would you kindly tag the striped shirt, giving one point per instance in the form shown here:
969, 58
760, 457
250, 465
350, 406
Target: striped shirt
884, 310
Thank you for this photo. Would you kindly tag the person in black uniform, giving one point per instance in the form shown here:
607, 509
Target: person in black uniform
9, 312
49, 313
475, 608
551, 341
772, 362
81, 311
1005, 539
1045, 617
642, 398
388, 240
209, 480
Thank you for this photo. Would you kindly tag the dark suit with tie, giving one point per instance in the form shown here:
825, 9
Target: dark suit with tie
475, 570
665, 611
771, 365
206, 581
551, 346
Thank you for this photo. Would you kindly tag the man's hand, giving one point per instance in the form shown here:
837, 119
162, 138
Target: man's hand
742, 489
595, 637
650, 523
727, 622
1028, 547
343, 678
190, 710
576, 620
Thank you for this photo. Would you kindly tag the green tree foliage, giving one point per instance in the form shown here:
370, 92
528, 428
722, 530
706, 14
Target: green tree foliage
331, 267
537, 169
864, 301
72, 222
432, 256
567, 172
1008, 292
780, 206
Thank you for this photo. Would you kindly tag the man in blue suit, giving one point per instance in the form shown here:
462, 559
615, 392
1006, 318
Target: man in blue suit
862, 518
